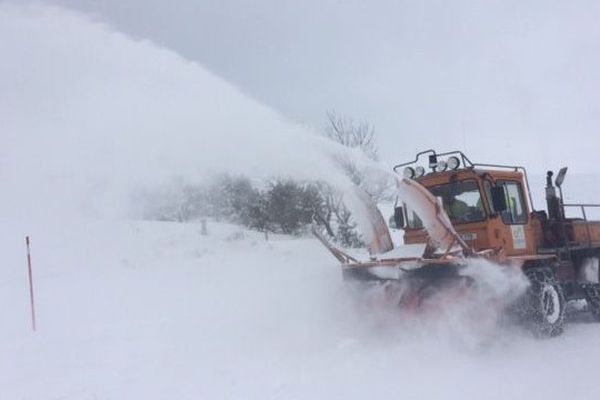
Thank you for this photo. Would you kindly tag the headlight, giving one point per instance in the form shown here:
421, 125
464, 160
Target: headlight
409, 172
453, 162
419, 172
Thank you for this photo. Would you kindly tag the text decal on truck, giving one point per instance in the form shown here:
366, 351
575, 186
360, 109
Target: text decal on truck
518, 237
468, 236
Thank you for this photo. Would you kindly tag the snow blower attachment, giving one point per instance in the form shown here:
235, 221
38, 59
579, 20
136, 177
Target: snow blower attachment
409, 274
444, 246
461, 211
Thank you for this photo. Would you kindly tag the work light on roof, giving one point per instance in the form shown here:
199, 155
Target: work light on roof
433, 161
442, 166
453, 163
409, 172
419, 172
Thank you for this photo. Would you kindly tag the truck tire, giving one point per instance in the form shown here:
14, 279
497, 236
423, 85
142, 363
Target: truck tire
592, 296
544, 303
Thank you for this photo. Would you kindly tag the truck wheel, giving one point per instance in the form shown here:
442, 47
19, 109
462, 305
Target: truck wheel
544, 303
592, 296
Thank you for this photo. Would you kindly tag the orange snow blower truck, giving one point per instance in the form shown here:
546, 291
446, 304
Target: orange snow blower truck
453, 210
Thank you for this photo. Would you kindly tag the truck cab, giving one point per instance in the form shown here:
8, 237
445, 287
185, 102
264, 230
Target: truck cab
465, 210
490, 207
481, 218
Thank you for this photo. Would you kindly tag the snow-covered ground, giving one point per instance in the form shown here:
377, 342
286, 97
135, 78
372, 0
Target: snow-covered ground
151, 310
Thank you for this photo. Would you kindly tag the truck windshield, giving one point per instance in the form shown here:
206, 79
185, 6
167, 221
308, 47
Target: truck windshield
461, 201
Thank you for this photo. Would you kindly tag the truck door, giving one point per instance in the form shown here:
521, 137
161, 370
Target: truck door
512, 227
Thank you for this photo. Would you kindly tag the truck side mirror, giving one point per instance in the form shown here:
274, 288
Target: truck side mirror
399, 217
498, 198
560, 177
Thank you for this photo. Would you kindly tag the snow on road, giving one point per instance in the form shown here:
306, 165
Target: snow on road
151, 310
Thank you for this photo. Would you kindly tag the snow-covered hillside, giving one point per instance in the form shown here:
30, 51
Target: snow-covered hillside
149, 310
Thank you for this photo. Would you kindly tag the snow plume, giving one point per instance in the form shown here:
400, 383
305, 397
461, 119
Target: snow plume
88, 114
460, 315
484, 310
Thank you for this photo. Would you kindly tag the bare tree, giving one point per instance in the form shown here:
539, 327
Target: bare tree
358, 135
346, 131
334, 216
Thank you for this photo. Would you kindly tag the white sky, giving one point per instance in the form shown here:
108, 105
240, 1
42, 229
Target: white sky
507, 81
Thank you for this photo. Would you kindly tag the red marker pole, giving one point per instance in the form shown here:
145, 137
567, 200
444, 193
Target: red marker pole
30, 283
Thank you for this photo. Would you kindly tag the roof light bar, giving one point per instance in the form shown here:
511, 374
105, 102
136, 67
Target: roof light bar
419, 172
409, 172
453, 163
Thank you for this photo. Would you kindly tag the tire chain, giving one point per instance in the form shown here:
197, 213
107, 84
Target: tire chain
530, 306
592, 296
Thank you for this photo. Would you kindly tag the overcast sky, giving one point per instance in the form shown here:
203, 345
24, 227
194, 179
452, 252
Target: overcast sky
507, 81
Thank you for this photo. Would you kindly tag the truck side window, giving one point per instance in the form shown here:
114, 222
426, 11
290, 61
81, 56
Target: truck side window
414, 222
515, 212
461, 200
487, 187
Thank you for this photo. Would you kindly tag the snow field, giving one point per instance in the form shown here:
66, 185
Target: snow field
155, 310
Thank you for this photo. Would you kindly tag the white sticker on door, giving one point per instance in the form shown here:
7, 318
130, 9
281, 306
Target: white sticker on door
518, 236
